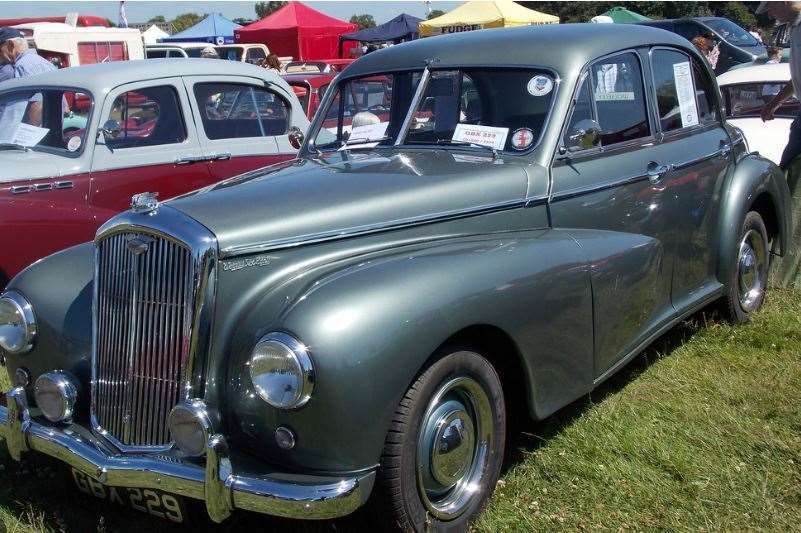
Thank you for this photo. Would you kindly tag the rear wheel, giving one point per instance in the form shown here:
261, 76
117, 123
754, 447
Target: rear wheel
443, 454
748, 279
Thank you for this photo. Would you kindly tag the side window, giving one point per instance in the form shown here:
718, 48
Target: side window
232, 111
617, 89
147, 117
155, 54
675, 92
705, 94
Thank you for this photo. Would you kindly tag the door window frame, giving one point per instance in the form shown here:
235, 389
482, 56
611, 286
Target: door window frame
182, 100
685, 131
559, 153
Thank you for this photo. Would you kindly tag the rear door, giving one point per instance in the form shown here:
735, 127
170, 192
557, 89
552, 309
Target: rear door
242, 122
155, 149
694, 143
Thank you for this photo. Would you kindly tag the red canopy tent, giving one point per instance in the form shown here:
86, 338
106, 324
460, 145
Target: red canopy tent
83, 20
299, 31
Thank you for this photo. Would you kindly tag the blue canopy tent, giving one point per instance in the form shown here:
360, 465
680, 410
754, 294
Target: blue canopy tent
214, 29
401, 28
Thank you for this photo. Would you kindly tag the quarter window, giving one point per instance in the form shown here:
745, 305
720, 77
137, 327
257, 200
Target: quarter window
675, 92
147, 117
232, 111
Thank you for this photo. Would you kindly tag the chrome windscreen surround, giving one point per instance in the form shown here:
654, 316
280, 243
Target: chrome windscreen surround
194, 247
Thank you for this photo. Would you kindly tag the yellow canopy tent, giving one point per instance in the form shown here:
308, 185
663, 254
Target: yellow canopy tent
480, 14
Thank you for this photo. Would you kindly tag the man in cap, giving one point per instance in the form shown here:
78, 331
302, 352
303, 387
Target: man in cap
209, 53
787, 13
24, 62
14, 51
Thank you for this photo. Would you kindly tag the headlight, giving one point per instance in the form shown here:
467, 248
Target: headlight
281, 371
56, 393
17, 323
190, 427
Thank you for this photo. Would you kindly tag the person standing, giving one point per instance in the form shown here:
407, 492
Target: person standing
787, 12
24, 62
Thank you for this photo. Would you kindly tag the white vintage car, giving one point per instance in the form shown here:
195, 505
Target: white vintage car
746, 91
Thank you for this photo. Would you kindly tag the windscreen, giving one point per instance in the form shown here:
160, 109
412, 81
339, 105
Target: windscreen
732, 32
499, 108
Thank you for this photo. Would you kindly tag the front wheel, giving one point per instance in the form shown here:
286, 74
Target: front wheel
444, 451
748, 279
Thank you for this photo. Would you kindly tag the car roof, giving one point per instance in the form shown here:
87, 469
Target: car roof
178, 45
756, 73
564, 48
104, 76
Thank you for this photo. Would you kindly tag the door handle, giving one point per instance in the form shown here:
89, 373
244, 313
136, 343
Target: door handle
188, 159
655, 171
220, 157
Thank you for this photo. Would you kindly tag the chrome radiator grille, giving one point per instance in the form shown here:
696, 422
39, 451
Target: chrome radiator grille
143, 309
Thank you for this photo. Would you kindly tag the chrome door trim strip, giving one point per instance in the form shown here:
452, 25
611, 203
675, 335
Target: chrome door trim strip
357, 231
580, 191
39, 187
701, 159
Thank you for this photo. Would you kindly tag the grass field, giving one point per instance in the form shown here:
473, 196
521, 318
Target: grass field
702, 432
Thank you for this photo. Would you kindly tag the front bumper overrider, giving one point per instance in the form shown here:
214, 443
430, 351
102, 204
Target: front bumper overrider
223, 490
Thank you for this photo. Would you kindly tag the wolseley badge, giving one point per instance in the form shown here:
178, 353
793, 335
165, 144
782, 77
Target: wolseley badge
144, 202
138, 244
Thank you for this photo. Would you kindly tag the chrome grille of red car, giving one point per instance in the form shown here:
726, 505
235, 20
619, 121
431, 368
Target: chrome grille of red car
143, 313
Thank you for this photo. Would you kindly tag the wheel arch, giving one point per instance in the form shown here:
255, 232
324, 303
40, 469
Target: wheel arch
754, 184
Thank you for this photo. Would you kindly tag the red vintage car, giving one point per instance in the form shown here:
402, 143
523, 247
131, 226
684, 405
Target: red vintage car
77, 143
309, 88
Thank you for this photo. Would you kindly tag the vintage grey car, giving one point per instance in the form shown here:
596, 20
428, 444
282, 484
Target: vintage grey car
476, 224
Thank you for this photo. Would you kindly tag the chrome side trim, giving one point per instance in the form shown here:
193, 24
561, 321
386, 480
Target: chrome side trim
37, 187
222, 489
723, 152
580, 191
357, 231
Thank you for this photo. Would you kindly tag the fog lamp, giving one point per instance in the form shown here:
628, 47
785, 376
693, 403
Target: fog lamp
190, 426
17, 323
56, 393
281, 371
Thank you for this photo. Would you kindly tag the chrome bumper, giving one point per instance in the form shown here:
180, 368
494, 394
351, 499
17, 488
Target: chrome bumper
222, 489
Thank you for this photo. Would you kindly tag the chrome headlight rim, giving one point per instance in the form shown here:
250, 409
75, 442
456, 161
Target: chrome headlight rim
302, 359
67, 389
25, 310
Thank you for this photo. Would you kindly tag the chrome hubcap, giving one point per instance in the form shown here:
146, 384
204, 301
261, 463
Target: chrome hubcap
453, 447
752, 265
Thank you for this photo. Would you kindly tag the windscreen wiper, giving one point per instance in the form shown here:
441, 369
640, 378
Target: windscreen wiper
454, 142
15, 146
365, 140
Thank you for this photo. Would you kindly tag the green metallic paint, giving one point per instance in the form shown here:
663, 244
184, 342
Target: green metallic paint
374, 259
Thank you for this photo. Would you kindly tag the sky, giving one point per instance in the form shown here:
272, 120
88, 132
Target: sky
141, 11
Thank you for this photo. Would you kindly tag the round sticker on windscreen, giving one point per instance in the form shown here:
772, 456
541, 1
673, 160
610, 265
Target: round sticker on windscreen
539, 85
73, 144
522, 138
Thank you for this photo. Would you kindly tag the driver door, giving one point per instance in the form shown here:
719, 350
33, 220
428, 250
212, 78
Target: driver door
154, 147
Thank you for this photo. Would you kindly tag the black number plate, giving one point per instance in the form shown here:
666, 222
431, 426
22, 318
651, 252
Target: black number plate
152, 502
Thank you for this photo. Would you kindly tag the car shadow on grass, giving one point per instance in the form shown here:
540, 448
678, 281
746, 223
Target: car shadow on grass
41, 495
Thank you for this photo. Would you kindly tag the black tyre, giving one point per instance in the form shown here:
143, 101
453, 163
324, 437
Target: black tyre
748, 280
444, 451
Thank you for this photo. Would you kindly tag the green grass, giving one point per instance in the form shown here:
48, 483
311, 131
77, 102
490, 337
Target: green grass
702, 432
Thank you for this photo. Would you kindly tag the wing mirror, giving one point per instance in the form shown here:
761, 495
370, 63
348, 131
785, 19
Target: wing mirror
111, 130
585, 134
295, 137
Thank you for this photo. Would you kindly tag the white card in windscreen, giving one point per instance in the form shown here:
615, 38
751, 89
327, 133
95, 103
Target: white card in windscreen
682, 76
483, 135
